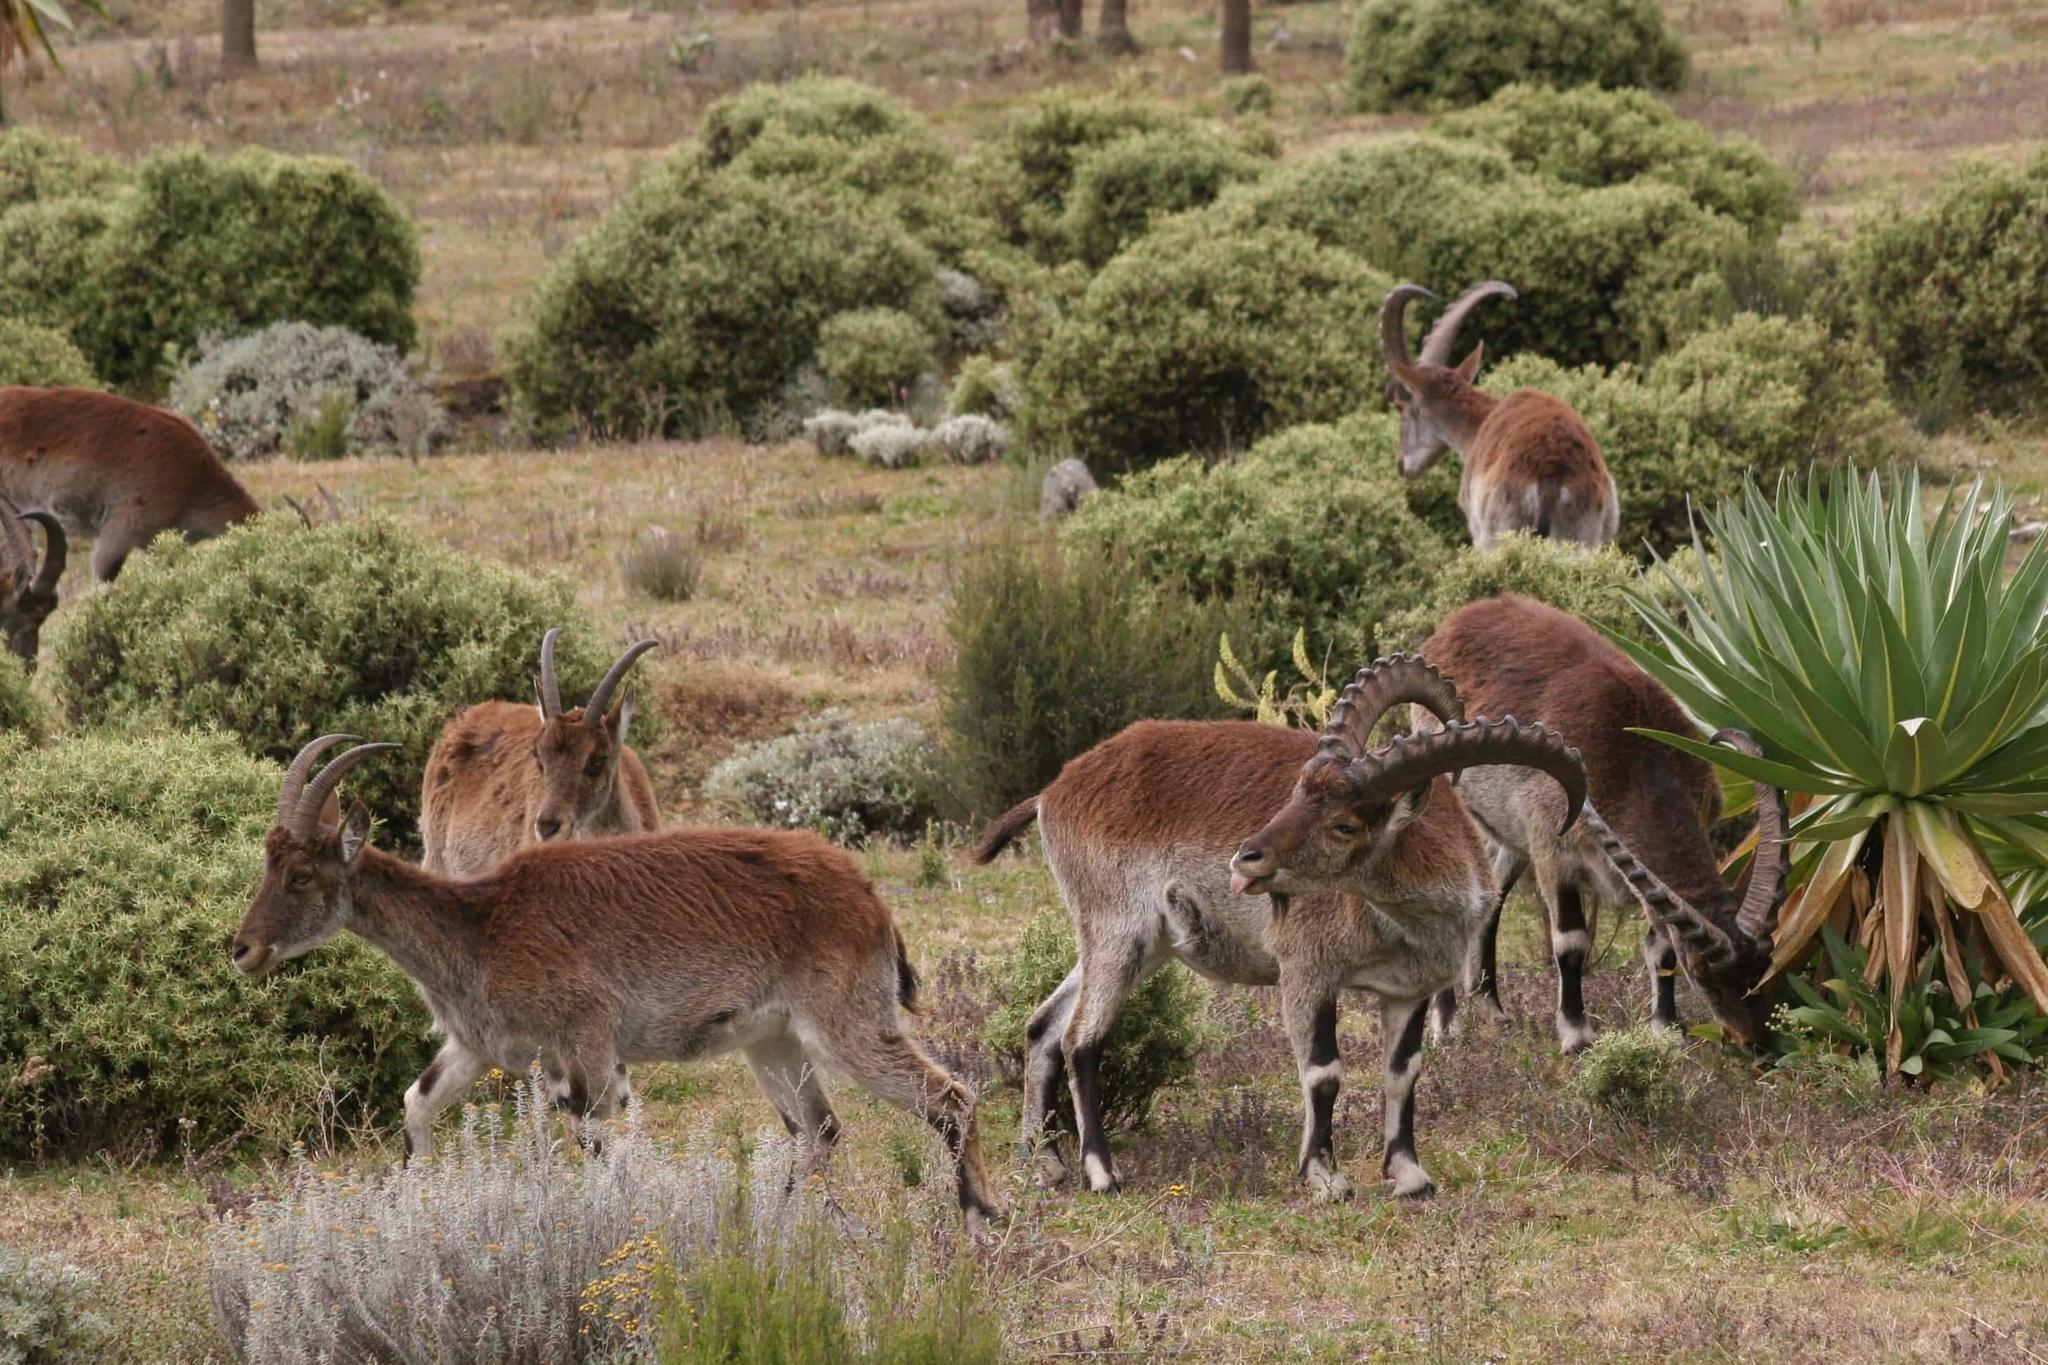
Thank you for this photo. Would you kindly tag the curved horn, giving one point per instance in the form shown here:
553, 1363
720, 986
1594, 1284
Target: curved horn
1757, 918
609, 683
1379, 687
550, 690
17, 550
1702, 937
53, 553
1436, 345
295, 775
1410, 760
1394, 326
321, 787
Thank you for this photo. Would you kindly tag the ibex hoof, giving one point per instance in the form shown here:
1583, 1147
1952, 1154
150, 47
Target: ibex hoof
1327, 1186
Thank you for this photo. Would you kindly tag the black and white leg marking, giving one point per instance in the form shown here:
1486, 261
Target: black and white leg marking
1312, 1028
1401, 1024
447, 1079
1045, 1076
1570, 944
1662, 960
1109, 973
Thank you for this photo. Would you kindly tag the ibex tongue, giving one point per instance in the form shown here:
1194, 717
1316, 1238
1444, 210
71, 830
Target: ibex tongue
1239, 884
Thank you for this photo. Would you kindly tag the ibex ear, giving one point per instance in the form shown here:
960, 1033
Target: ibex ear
1470, 369
355, 834
619, 719
330, 812
540, 703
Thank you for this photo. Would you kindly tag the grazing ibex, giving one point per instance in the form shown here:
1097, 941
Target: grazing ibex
1643, 834
584, 956
1165, 844
28, 590
108, 467
1530, 464
504, 774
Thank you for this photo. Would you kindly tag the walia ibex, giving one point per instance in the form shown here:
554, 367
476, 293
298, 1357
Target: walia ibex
1530, 464
587, 955
1645, 831
1165, 844
28, 587
108, 467
504, 775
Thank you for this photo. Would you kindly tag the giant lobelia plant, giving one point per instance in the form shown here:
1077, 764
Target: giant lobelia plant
1896, 673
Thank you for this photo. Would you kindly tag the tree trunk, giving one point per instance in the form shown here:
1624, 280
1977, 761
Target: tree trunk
1237, 36
1113, 28
1070, 19
238, 35
1043, 17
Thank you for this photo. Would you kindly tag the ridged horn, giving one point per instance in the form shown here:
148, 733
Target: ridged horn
54, 549
550, 690
1410, 760
1394, 326
593, 713
17, 549
322, 786
1436, 346
1379, 687
1702, 937
1757, 918
295, 775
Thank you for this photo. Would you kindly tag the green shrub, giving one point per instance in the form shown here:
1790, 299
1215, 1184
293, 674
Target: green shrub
985, 388
1589, 585
702, 295
1954, 295
844, 778
222, 246
1120, 188
1023, 176
23, 711
1056, 652
1193, 341
49, 270
1633, 1072
47, 1312
1435, 54
1310, 530
35, 166
832, 107
126, 860
1151, 1047
277, 633
1592, 137
1253, 94
41, 357
872, 355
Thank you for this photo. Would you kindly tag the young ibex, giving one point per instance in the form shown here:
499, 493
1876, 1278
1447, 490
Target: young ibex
1165, 844
28, 589
1643, 833
108, 467
504, 775
1530, 464
647, 947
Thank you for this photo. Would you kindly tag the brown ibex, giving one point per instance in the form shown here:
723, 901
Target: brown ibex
1530, 463
109, 467
28, 589
1165, 844
587, 955
1643, 835
504, 775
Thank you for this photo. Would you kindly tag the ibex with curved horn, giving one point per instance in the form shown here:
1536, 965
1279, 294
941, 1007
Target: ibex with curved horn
28, 588
588, 955
1166, 844
1530, 463
1645, 832
109, 467
503, 775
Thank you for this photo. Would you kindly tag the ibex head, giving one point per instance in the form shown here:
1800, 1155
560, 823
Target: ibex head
28, 590
578, 750
1426, 390
1349, 805
308, 861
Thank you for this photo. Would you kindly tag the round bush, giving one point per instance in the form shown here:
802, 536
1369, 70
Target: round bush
1310, 530
831, 107
1151, 1046
1121, 187
35, 166
985, 388
1022, 177
126, 860
1954, 295
252, 394
276, 633
1193, 341
49, 271
41, 357
1593, 137
846, 779
1591, 585
703, 293
47, 1311
23, 711
872, 355
1436, 54
208, 246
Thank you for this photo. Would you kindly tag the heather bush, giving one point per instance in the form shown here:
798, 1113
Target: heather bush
1121, 187
1592, 137
971, 439
847, 779
40, 356
47, 1311
249, 393
985, 388
23, 710
832, 107
35, 166
1057, 650
1310, 530
276, 633
221, 246
126, 860
1253, 94
48, 264
1954, 294
871, 355
1589, 584
1193, 341
1151, 1047
1435, 54
1633, 1072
